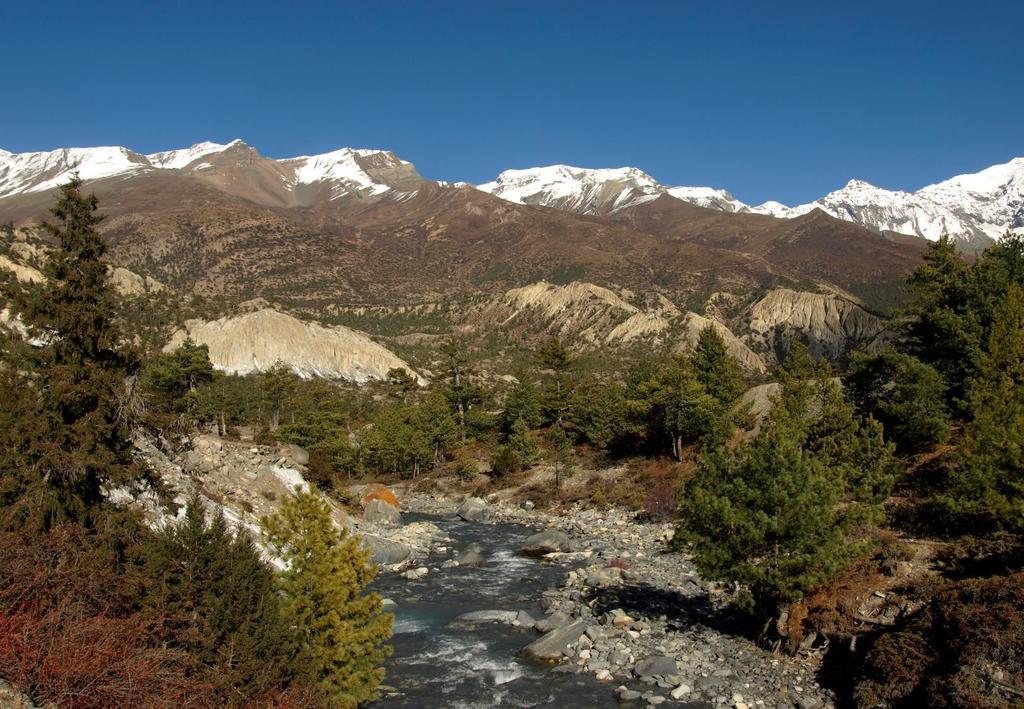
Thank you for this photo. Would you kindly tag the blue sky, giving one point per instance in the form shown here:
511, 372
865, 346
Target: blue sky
770, 100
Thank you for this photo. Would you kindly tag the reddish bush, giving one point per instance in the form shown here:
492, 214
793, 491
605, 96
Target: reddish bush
60, 657
619, 564
661, 502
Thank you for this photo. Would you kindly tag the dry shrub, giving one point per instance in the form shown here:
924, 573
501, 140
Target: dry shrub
59, 656
964, 649
70, 634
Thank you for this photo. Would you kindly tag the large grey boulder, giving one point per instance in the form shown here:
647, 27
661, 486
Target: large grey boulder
545, 542
555, 620
472, 555
472, 510
385, 551
379, 512
656, 666
552, 647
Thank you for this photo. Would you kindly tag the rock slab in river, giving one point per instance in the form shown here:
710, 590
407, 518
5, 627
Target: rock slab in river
385, 551
552, 647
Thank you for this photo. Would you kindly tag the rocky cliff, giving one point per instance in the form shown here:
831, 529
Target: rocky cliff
259, 340
830, 324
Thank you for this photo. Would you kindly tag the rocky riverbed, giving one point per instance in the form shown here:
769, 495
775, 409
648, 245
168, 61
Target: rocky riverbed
626, 613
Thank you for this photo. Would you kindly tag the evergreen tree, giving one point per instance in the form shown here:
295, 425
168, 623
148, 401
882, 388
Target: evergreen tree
989, 479
342, 632
782, 515
434, 422
456, 371
716, 369
554, 357
561, 453
942, 328
208, 592
522, 446
523, 402
402, 382
904, 394
75, 437
174, 375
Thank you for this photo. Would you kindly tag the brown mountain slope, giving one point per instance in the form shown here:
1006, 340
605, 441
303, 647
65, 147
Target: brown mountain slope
228, 229
816, 246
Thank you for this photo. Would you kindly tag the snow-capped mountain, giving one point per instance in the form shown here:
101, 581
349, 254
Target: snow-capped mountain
597, 191
972, 208
234, 166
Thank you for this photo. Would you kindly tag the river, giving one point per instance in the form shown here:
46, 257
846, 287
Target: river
440, 664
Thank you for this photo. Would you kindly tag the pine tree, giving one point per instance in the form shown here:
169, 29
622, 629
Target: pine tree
554, 356
402, 382
561, 453
343, 633
782, 515
208, 592
989, 479
173, 375
522, 446
942, 328
523, 402
76, 438
716, 369
907, 396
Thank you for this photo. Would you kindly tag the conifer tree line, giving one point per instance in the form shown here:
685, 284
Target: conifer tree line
98, 609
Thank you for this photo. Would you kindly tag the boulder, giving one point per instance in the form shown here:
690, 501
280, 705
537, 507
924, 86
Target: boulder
472, 555
555, 620
545, 542
524, 620
385, 551
472, 510
378, 511
656, 666
297, 455
376, 491
553, 646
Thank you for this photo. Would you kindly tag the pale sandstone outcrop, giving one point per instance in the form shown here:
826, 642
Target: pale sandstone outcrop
832, 325
259, 340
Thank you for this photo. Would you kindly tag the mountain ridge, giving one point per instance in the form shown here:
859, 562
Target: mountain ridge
973, 208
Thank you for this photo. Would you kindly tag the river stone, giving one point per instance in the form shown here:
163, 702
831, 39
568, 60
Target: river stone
553, 646
555, 620
488, 617
385, 551
472, 510
656, 666
545, 542
525, 620
380, 512
472, 555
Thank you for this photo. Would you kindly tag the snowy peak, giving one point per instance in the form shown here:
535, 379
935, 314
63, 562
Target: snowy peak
972, 209
179, 159
363, 172
233, 167
597, 191
37, 172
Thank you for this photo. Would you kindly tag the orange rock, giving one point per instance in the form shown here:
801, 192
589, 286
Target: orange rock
376, 491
